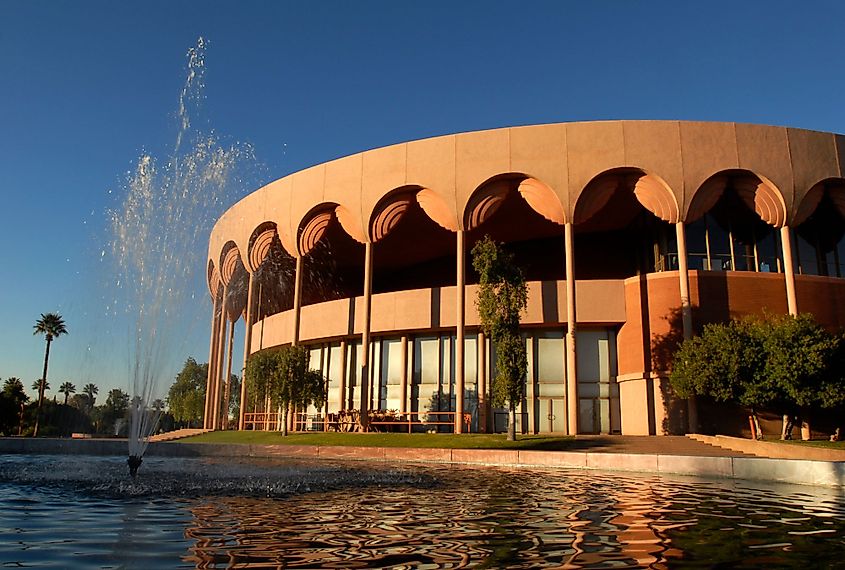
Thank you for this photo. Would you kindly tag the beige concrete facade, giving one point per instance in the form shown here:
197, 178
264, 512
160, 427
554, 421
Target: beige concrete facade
665, 225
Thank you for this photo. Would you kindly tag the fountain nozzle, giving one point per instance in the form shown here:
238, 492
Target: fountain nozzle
134, 462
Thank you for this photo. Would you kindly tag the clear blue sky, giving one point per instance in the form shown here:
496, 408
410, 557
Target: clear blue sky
87, 86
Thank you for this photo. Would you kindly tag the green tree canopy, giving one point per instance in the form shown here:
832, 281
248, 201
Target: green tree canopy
502, 297
186, 396
91, 391
11, 399
67, 388
115, 408
285, 375
782, 362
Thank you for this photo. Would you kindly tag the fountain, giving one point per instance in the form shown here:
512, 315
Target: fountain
158, 243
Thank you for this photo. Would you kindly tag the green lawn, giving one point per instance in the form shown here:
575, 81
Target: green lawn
811, 443
442, 440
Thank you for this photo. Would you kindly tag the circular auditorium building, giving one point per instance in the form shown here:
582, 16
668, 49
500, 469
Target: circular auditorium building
631, 236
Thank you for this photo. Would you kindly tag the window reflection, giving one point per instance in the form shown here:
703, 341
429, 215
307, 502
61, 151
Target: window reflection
730, 237
821, 242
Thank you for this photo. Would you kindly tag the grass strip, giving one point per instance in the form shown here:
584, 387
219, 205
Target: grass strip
416, 440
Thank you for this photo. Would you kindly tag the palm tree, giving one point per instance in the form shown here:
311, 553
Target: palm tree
51, 326
37, 386
67, 389
90, 390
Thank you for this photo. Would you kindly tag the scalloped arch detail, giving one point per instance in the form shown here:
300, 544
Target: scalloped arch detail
761, 197
389, 215
542, 200
435, 208
757, 193
313, 231
229, 263
655, 196
260, 245
350, 224
213, 276
484, 204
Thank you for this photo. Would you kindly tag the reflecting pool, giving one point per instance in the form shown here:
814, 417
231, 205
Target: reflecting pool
83, 512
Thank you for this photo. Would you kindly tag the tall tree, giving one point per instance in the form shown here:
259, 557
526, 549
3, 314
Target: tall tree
12, 399
285, 375
67, 389
295, 384
502, 297
186, 396
91, 391
115, 408
52, 326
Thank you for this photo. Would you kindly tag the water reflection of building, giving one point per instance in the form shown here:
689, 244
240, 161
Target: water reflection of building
665, 225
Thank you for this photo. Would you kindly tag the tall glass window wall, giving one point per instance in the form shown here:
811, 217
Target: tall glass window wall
820, 242
431, 379
731, 238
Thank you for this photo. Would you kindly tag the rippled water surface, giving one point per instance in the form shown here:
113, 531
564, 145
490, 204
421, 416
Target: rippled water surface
76, 512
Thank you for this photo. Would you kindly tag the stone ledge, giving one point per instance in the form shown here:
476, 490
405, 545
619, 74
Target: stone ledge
793, 471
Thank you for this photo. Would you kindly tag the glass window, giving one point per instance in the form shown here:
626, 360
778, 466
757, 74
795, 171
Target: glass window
768, 250
806, 241
696, 237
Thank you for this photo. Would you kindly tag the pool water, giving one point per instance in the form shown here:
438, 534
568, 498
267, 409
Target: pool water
84, 512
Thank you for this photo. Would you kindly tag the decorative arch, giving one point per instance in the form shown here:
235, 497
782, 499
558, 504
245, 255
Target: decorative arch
650, 191
390, 211
485, 201
835, 190
317, 222
260, 243
436, 208
213, 278
542, 200
758, 193
312, 230
350, 224
229, 260
489, 196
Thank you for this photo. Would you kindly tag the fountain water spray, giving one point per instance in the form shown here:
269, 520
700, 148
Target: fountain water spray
159, 235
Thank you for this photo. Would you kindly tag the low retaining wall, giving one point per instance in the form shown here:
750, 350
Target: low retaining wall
795, 471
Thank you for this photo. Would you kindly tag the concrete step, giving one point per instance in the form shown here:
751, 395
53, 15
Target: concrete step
770, 449
177, 434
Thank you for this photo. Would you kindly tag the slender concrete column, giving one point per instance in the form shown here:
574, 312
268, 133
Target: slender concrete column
403, 385
297, 299
248, 318
212, 361
482, 383
571, 368
344, 398
218, 372
365, 336
460, 320
789, 270
686, 315
227, 381
683, 280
